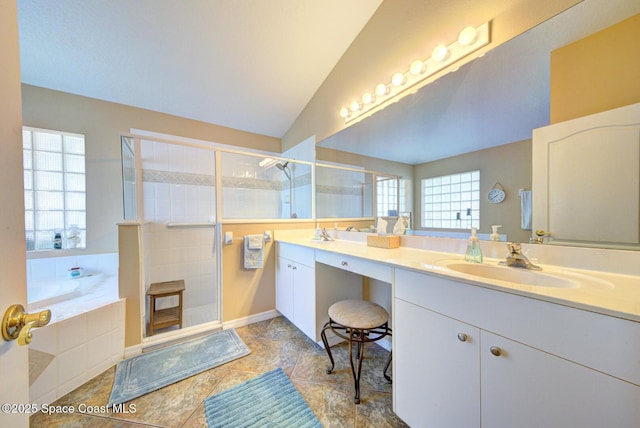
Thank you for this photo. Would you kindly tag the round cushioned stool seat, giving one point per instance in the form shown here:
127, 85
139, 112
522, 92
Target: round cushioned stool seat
358, 314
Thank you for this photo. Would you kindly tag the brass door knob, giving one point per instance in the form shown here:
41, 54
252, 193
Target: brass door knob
17, 324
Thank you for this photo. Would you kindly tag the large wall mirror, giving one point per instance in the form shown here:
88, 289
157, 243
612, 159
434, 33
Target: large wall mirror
486, 106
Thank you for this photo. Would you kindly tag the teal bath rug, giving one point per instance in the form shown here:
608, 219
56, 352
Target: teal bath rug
153, 370
269, 400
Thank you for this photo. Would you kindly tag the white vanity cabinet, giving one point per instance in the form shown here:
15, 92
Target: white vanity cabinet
436, 368
305, 290
529, 388
295, 286
524, 363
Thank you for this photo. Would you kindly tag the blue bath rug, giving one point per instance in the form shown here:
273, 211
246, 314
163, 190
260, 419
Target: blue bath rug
269, 400
153, 370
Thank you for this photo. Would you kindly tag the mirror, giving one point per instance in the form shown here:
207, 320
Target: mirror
490, 102
343, 193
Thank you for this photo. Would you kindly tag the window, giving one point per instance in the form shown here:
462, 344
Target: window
451, 201
387, 189
54, 189
386, 196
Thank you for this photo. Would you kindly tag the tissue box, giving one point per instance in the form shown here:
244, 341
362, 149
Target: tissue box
389, 241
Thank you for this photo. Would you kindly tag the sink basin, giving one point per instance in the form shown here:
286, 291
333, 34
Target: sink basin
515, 275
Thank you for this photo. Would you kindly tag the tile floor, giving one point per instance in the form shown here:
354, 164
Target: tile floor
273, 343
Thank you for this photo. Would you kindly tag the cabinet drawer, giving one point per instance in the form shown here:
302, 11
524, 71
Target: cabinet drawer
353, 264
601, 342
297, 253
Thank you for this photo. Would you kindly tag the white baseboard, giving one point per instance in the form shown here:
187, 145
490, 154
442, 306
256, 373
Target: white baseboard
132, 351
241, 322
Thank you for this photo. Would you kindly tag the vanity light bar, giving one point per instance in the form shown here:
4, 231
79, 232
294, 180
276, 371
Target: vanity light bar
470, 39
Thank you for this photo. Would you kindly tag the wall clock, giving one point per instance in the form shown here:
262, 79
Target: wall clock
496, 194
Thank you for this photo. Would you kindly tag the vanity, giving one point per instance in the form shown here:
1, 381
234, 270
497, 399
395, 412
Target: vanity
473, 348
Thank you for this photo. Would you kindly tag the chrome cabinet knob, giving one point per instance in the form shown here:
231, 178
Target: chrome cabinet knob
495, 351
462, 337
295, 267
345, 263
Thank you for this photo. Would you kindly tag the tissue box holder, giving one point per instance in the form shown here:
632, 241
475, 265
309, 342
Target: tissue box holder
389, 241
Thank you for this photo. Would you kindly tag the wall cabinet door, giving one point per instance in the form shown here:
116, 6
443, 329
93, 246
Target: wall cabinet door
436, 368
284, 287
526, 388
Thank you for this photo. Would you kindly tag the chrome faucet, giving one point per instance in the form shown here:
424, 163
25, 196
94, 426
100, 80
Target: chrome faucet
325, 235
515, 258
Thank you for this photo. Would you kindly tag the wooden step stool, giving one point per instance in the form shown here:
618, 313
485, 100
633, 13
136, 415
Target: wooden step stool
163, 318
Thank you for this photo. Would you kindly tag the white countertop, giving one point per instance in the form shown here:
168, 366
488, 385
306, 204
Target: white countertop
617, 295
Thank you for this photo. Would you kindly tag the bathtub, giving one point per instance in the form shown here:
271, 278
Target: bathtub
44, 293
85, 335
69, 297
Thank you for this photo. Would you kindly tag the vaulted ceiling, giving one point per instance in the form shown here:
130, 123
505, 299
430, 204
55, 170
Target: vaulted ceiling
246, 64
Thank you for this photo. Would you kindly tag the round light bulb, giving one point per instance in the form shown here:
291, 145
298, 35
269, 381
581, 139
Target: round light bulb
417, 67
397, 79
440, 53
354, 106
368, 98
344, 112
382, 89
467, 36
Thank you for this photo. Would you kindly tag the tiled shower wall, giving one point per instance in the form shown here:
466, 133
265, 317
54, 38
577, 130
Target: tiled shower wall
251, 191
179, 187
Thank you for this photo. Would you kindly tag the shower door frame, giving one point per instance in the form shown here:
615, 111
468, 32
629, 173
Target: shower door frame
153, 340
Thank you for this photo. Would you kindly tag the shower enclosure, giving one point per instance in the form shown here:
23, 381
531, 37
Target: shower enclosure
255, 187
175, 190
170, 189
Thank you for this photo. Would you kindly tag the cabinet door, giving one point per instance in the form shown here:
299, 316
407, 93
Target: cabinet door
524, 387
436, 372
304, 299
284, 287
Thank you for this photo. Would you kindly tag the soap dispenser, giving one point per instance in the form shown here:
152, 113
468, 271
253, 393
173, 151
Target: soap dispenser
495, 236
474, 253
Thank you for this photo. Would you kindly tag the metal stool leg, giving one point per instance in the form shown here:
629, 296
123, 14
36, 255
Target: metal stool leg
386, 367
357, 335
326, 346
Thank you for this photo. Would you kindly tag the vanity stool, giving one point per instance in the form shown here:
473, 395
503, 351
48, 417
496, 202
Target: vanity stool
357, 321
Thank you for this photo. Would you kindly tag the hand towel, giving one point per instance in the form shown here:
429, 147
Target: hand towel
255, 242
525, 208
252, 257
